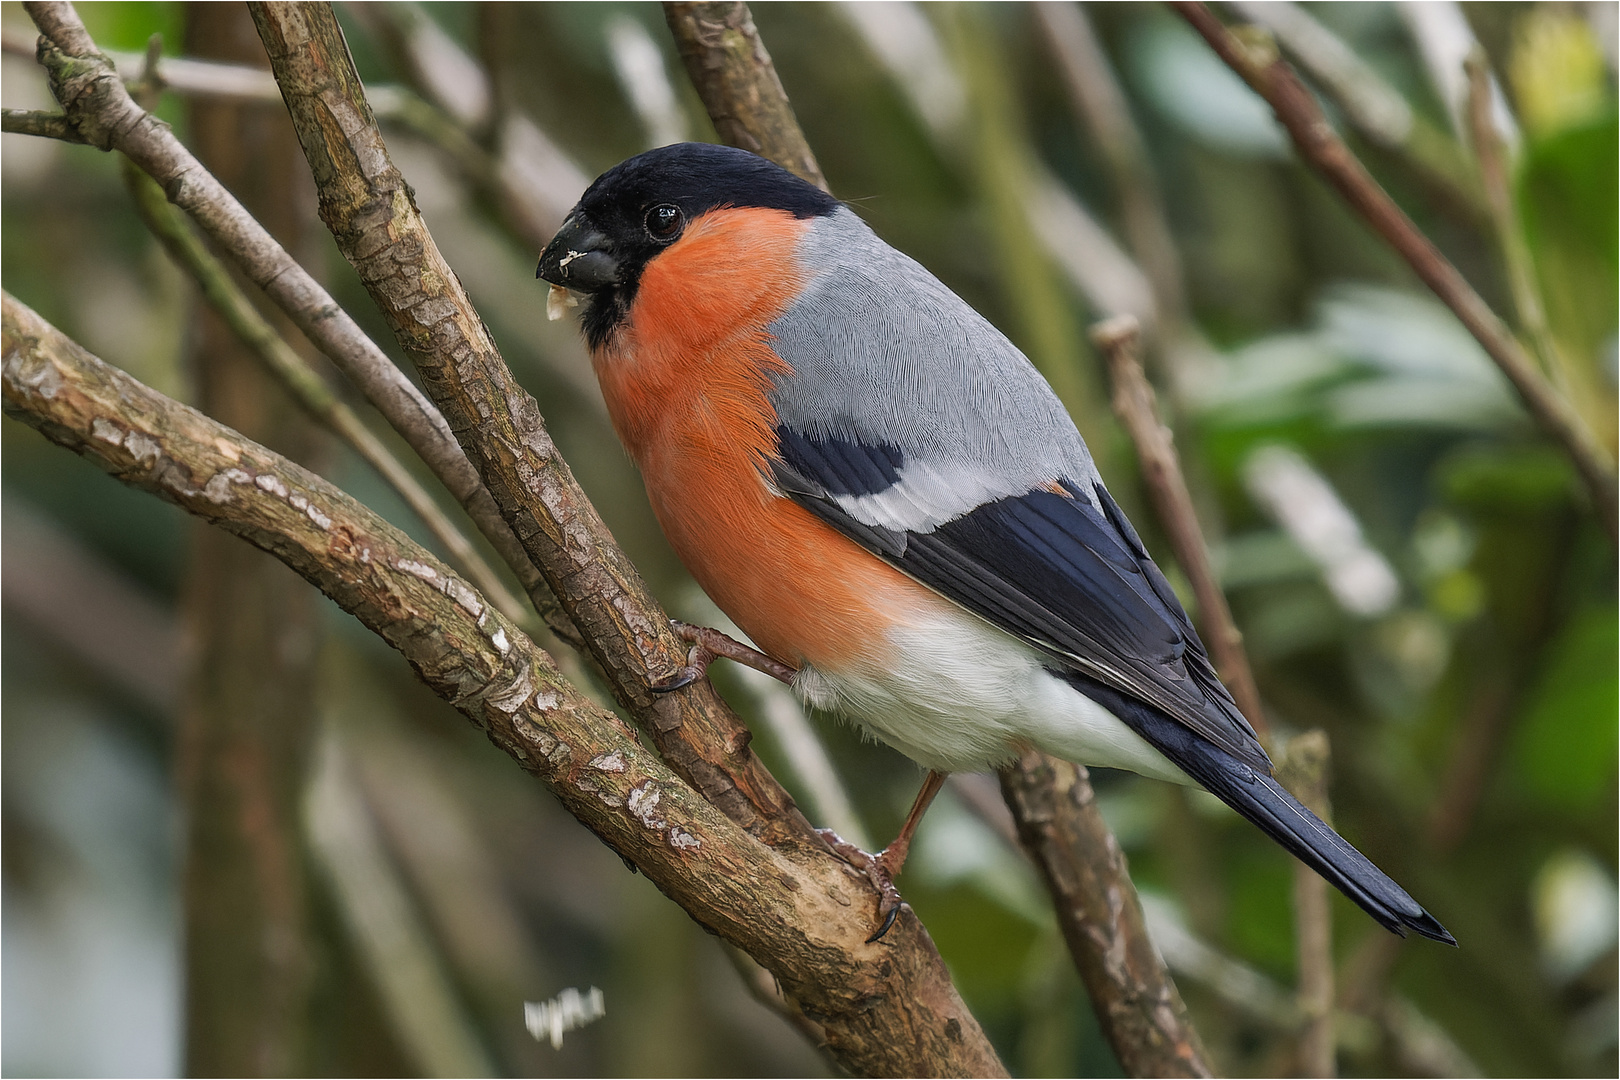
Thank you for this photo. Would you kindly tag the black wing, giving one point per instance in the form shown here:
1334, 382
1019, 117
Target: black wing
1050, 568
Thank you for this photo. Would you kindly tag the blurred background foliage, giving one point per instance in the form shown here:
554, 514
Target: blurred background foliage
1412, 565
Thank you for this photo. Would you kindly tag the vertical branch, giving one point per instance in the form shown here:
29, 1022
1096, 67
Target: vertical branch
1134, 404
1304, 771
246, 719
734, 76
1137, 1002
368, 207
1101, 103
1271, 77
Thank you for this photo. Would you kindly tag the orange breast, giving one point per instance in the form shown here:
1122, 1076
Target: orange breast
685, 379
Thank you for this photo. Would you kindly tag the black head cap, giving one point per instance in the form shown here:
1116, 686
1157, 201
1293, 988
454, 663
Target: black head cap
641, 206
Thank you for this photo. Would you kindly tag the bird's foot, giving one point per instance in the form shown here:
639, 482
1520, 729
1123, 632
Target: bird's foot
708, 645
879, 870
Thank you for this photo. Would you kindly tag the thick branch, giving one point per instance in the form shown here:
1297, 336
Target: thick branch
1141, 1011
1314, 138
368, 207
886, 1010
303, 382
734, 76
101, 109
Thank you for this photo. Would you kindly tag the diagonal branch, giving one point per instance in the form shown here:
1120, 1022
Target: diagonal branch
101, 110
1273, 79
886, 1010
1135, 405
367, 205
306, 385
734, 76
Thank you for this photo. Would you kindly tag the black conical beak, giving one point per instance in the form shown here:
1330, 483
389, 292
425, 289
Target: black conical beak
579, 257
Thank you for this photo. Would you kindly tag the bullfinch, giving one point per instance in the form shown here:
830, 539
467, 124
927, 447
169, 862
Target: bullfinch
887, 497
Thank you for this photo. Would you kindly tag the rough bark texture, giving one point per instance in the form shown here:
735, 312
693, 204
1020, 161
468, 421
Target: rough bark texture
734, 76
251, 627
886, 1009
87, 85
1273, 79
1137, 1003
367, 205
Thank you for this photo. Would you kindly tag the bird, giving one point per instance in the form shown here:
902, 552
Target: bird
888, 498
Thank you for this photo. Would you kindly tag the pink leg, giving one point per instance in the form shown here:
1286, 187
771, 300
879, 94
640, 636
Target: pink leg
707, 646
882, 868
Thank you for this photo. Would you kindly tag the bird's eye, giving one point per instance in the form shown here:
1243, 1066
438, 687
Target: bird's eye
664, 222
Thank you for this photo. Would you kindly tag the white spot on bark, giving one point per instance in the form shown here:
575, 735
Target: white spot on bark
643, 803
545, 700
613, 762
272, 483
298, 501
365, 555
463, 595
416, 569
511, 698
499, 640
321, 520
218, 489
107, 431
145, 449
680, 839
237, 476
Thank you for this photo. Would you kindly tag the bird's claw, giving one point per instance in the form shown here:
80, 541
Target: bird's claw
878, 872
683, 677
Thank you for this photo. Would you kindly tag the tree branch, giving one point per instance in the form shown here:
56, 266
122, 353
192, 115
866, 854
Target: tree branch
1272, 78
104, 114
1135, 405
887, 1009
734, 76
366, 204
304, 384
1136, 1000
46, 125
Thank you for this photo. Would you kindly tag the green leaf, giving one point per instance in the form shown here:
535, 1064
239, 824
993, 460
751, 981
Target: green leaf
1569, 736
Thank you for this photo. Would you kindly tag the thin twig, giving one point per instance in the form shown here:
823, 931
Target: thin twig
1135, 405
306, 385
1098, 99
1494, 170
46, 125
95, 99
1375, 108
1303, 769
1272, 78
734, 76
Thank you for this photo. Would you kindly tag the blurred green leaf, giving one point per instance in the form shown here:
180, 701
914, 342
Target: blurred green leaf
1567, 744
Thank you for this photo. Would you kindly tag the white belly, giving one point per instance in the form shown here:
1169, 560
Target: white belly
959, 695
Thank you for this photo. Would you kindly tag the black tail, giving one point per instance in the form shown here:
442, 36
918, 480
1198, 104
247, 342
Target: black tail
1263, 801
